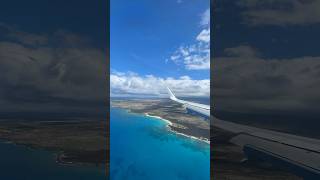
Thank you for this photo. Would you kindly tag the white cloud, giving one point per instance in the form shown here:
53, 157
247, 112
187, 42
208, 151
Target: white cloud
132, 84
204, 36
205, 18
196, 56
197, 62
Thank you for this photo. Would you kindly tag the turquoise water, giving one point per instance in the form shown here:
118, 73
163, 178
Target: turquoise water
142, 148
18, 162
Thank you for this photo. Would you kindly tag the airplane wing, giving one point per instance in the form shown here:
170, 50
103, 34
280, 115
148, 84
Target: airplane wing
201, 109
300, 155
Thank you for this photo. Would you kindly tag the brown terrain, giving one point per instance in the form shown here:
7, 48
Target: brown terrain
227, 159
74, 141
84, 141
181, 121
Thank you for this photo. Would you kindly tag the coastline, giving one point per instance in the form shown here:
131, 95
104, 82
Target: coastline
60, 155
65, 150
177, 120
169, 124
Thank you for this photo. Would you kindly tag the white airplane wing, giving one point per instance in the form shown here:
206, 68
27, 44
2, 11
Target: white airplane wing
201, 109
300, 155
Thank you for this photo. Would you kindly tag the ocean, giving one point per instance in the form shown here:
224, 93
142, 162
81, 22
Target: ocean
143, 148
19, 162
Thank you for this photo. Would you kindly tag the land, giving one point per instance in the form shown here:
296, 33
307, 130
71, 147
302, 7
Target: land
74, 141
181, 122
85, 140
227, 159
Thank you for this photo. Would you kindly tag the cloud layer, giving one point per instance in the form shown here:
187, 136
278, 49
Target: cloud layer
40, 71
132, 84
245, 82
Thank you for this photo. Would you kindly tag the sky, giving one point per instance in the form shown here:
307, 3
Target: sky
53, 57
267, 61
158, 43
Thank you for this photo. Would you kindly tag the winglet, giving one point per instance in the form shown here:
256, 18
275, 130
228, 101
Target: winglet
172, 97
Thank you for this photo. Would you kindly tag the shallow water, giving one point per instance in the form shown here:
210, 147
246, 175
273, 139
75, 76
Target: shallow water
142, 148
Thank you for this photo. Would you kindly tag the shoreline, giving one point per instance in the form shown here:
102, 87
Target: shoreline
24, 136
158, 117
169, 123
59, 154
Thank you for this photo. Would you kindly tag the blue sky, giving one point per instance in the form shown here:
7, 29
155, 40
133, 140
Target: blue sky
159, 39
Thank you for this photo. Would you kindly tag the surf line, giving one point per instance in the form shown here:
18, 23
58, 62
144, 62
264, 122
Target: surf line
169, 123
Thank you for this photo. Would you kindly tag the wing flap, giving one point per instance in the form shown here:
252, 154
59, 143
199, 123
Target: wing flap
302, 158
279, 137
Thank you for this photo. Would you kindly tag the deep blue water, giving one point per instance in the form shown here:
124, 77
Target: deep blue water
18, 162
142, 148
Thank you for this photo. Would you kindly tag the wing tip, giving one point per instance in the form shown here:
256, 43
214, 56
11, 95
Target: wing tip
172, 96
